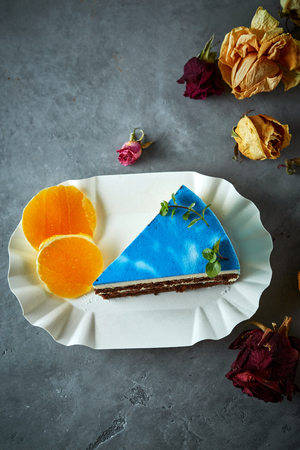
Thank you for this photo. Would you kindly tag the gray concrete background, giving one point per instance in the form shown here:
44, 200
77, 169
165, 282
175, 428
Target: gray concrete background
76, 77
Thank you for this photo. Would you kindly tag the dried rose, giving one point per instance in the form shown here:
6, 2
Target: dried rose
261, 137
267, 362
132, 149
255, 59
202, 76
291, 9
289, 165
291, 78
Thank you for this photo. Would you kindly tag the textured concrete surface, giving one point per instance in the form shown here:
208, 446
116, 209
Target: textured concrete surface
76, 77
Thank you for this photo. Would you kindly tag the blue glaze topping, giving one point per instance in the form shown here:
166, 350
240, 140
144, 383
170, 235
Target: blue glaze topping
167, 247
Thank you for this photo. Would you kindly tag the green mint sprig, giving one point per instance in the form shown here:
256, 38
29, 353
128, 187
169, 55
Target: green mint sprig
165, 209
213, 267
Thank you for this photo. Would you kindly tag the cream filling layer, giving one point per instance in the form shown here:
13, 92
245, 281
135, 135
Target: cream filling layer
163, 279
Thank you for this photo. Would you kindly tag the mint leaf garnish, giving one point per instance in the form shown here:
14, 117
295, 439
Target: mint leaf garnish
217, 246
208, 253
186, 215
213, 267
193, 223
164, 208
190, 209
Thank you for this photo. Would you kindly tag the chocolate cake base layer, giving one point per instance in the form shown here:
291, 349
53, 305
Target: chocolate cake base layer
156, 287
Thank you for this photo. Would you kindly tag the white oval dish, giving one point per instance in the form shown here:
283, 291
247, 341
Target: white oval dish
125, 204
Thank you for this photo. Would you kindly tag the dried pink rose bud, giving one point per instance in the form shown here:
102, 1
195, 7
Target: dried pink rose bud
130, 152
266, 365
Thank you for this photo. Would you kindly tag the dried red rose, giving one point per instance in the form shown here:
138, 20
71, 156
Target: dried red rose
266, 365
202, 76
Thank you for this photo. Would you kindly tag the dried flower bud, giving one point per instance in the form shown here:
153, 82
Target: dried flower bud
261, 137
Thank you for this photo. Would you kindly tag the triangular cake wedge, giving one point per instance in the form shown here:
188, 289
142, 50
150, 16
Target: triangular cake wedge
167, 255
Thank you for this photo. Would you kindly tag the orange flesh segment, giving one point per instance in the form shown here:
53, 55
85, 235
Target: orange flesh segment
68, 265
58, 210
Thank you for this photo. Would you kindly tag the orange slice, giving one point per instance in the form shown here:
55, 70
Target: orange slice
58, 210
68, 265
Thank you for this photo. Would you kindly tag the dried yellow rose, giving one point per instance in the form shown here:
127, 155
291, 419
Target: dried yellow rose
291, 8
255, 59
261, 137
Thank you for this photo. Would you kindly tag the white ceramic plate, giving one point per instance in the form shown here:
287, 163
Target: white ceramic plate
125, 204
